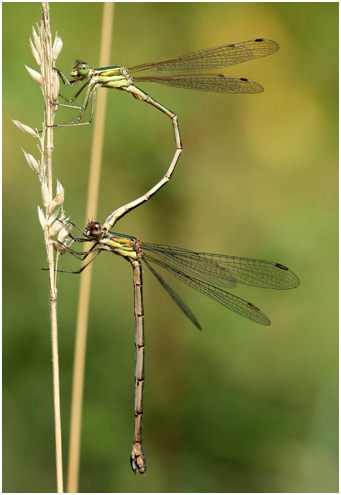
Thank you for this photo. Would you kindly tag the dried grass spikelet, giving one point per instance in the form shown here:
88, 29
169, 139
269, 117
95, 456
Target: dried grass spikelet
45, 194
32, 162
59, 198
36, 40
36, 76
35, 53
57, 227
57, 47
41, 217
26, 128
55, 88
51, 218
63, 234
62, 242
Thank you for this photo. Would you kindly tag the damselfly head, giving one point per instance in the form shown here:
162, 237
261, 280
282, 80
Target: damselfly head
93, 229
80, 69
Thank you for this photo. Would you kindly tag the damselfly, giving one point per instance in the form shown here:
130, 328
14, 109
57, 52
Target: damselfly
118, 77
205, 272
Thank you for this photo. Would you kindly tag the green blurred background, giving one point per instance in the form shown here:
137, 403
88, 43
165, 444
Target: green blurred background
238, 407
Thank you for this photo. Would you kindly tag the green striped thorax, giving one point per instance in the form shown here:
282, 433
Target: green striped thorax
109, 77
120, 244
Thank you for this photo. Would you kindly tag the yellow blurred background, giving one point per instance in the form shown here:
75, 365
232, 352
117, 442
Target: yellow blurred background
238, 407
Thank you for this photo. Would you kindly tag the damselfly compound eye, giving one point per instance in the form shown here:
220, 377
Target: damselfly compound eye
80, 69
95, 228
83, 69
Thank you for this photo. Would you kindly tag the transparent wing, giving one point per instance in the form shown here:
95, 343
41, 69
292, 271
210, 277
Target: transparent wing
176, 298
217, 269
213, 58
207, 82
190, 262
230, 301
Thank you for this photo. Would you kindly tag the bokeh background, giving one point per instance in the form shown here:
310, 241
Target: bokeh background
238, 407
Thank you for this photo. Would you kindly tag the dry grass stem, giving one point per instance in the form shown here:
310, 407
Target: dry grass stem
44, 55
84, 296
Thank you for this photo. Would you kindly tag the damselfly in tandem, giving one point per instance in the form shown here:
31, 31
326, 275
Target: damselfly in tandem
208, 273
117, 77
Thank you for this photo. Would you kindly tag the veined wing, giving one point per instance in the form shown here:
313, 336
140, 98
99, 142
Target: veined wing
230, 301
207, 270
217, 83
213, 58
176, 298
217, 269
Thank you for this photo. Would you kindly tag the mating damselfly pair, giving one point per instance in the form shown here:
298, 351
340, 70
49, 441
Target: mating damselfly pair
208, 273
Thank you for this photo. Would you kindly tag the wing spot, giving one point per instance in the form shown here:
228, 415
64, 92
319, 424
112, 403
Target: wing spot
282, 267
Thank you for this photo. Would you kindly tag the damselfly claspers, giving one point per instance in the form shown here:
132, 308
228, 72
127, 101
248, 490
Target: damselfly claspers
205, 272
121, 78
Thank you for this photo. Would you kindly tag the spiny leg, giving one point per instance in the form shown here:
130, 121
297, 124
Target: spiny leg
91, 93
79, 256
86, 237
73, 98
65, 80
